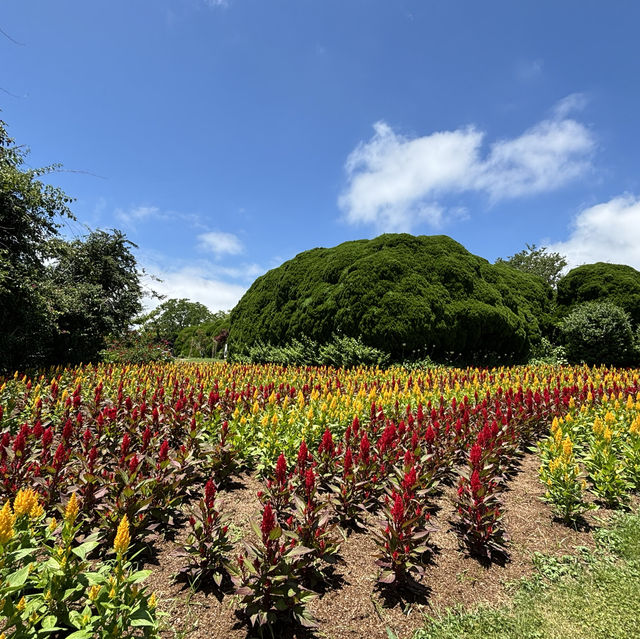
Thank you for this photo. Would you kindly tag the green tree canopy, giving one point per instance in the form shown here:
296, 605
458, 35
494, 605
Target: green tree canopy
538, 261
598, 333
400, 293
169, 318
58, 299
615, 283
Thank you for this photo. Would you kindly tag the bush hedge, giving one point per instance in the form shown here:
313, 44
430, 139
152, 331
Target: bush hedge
402, 294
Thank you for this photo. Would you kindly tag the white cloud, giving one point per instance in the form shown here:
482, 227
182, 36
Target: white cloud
607, 232
137, 214
220, 243
194, 284
395, 182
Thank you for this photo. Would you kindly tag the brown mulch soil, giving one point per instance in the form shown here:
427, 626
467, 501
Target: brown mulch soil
355, 607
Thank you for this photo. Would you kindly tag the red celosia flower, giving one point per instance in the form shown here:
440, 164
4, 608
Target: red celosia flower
163, 453
430, 435
475, 455
409, 459
47, 437
281, 470
303, 454
133, 463
409, 481
397, 511
67, 431
209, 494
309, 482
86, 438
348, 462
146, 438
19, 443
124, 446
327, 446
59, 457
268, 523
364, 448
476, 484
38, 429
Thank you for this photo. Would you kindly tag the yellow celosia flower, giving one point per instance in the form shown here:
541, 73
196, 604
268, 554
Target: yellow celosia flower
21, 605
6, 523
598, 426
123, 539
94, 592
567, 448
609, 418
72, 509
112, 593
53, 524
558, 436
24, 501
36, 511
153, 601
607, 434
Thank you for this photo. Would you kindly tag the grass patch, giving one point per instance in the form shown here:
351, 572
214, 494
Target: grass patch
588, 596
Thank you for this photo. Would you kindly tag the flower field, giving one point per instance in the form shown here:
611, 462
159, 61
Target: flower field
99, 465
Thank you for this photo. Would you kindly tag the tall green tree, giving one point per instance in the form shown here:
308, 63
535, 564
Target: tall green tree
94, 287
30, 215
58, 299
169, 318
539, 261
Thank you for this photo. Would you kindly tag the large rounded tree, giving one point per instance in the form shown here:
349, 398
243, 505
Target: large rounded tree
401, 293
601, 282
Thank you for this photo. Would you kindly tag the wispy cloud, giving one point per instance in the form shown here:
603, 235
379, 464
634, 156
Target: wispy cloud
606, 232
137, 214
193, 283
220, 243
395, 182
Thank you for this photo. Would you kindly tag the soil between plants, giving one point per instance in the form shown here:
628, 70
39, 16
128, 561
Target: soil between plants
356, 607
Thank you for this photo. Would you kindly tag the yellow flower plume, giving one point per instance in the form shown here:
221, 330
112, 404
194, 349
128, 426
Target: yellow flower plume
123, 538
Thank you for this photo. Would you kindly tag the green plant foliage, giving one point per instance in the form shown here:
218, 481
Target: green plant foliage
601, 282
403, 294
167, 320
199, 340
598, 333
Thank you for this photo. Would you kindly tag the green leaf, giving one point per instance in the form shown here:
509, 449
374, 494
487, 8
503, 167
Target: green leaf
138, 576
276, 533
84, 549
79, 634
49, 623
18, 578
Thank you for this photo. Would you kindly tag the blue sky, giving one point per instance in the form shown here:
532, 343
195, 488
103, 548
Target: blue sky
225, 137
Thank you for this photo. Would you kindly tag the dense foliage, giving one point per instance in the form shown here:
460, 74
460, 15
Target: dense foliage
598, 333
203, 339
166, 321
406, 295
601, 282
59, 299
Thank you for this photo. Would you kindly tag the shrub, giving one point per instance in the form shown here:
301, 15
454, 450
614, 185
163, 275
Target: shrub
598, 333
135, 349
398, 293
601, 282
